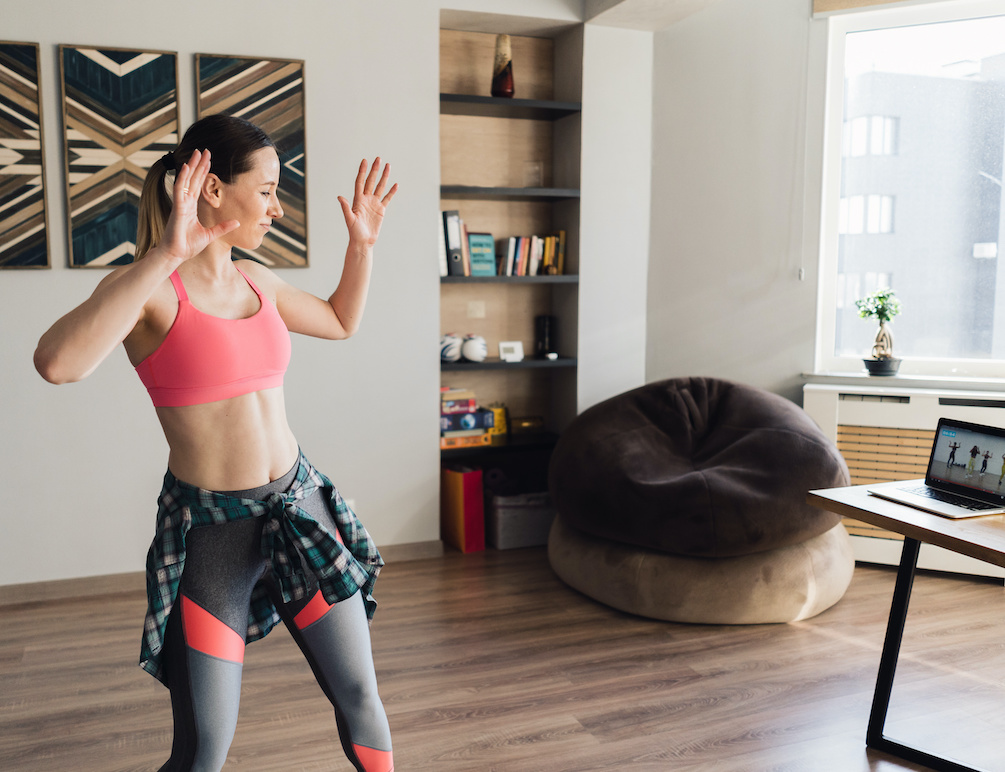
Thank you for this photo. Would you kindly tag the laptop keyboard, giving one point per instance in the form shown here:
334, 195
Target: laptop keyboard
950, 498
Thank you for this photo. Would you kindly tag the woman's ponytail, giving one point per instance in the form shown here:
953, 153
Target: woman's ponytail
231, 141
155, 206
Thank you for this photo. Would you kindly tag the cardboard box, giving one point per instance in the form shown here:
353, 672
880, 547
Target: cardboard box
519, 521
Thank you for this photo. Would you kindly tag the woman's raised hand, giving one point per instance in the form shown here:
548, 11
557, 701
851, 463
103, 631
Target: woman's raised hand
364, 216
184, 236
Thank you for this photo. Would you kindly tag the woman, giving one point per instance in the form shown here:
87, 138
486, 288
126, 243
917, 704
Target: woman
248, 532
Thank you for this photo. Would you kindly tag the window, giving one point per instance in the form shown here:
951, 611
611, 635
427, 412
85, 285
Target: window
869, 135
913, 186
865, 214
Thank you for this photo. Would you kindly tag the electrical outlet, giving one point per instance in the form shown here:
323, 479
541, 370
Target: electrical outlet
476, 309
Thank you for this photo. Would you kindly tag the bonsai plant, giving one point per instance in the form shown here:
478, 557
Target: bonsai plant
882, 305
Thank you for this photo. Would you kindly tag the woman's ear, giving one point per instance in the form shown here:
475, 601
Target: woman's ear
212, 190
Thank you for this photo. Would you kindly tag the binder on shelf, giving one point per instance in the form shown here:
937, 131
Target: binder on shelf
452, 240
462, 509
444, 270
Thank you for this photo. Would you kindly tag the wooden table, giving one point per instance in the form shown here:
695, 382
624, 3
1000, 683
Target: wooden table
982, 538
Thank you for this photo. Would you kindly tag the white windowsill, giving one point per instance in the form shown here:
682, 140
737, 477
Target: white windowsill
942, 383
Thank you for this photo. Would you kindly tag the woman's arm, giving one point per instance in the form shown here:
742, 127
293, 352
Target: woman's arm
81, 340
340, 315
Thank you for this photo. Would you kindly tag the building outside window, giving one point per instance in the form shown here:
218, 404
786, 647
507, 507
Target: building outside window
913, 186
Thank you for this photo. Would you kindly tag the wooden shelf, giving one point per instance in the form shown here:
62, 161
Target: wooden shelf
513, 194
495, 107
494, 363
565, 278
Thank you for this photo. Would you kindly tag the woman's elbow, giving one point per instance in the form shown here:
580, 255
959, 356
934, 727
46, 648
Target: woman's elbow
50, 368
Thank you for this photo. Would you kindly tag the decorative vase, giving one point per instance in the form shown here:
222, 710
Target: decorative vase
882, 365
502, 70
474, 348
450, 347
883, 346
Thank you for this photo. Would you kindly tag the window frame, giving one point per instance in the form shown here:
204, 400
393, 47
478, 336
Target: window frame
838, 26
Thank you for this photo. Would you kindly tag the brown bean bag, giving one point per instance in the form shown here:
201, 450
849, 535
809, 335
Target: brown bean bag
705, 469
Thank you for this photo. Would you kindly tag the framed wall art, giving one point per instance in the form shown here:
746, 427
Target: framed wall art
120, 114
269, 93
24, 240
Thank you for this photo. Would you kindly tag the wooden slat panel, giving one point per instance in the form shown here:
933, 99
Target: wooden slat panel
877, 454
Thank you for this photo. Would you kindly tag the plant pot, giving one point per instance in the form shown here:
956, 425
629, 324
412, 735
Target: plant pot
882, 365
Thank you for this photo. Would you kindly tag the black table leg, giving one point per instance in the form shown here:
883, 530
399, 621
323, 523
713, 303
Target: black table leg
874, 737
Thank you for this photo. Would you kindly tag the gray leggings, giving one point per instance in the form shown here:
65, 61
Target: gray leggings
223, 564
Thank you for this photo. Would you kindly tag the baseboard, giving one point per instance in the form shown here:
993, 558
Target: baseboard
869, 549
111, 584
416, 550
65, 589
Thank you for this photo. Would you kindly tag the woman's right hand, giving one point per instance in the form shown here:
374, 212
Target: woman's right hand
184, 235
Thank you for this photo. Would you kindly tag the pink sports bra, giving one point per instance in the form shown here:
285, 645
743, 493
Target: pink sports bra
205, 358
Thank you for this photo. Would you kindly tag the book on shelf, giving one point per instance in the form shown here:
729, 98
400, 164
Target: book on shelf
474, 441
465, 249
462, 508
452, 242
457, 401
482, 254
532, 255
456, 392
479, 420
457, 433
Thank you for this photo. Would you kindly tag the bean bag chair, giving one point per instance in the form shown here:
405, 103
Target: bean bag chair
685, 500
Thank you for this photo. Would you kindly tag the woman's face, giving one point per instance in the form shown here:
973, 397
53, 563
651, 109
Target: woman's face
252, 200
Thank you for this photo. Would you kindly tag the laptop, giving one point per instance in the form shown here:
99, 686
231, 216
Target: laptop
965, 477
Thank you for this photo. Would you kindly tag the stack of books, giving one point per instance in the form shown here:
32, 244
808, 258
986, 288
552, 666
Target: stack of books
466, 253
533, 255
462, 423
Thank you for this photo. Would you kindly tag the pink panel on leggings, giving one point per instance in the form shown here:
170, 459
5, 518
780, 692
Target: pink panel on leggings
205, 633
374, 760
316, 608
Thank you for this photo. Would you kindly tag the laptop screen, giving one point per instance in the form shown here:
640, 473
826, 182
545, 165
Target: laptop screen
969, 459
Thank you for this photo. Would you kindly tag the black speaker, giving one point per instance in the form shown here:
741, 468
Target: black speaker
544, 337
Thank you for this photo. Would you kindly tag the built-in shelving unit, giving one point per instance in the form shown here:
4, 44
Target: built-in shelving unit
510, 167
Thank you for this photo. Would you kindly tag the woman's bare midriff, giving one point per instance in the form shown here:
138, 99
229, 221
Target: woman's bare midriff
234, 444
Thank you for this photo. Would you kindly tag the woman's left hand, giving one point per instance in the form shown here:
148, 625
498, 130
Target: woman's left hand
364, 217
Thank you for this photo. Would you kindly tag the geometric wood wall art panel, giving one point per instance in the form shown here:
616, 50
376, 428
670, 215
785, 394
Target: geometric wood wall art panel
269, 93
24, 241
120, 114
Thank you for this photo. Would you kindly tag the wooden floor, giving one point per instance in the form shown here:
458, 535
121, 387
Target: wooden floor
488, 662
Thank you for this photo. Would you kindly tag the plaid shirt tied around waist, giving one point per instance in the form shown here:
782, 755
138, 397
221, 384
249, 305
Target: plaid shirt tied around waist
295, 544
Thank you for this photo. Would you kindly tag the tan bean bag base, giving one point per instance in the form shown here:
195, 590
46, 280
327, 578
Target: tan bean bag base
785, 584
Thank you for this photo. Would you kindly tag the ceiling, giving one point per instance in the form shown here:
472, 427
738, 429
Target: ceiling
649, 15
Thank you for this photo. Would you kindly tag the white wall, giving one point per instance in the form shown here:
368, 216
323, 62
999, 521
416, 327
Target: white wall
81, 464
614, 249
730, 226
